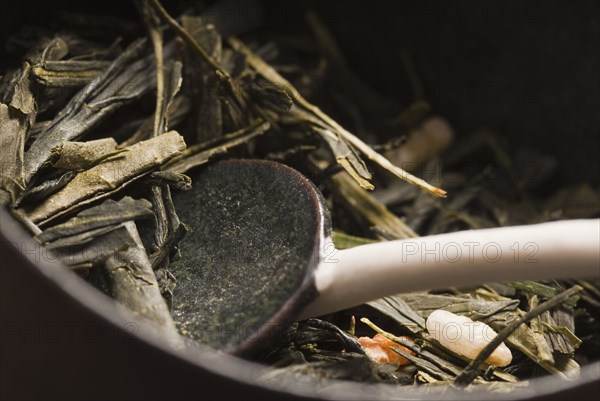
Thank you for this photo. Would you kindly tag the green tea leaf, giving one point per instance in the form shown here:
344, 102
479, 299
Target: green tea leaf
104, 178
107, 213
127, 78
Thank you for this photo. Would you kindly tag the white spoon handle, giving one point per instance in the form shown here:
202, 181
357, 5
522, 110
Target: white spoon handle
564, 249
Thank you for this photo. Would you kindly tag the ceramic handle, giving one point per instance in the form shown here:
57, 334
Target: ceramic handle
564, 249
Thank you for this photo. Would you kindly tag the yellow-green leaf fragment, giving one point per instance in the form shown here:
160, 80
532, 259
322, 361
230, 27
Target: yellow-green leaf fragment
139, 159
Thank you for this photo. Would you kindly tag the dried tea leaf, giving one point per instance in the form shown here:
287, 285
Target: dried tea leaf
107, 213
544, 350
58, 79
524, 339
45, 189
397, 309
424, 304
68, 73
195, 156
17, 114
203, 81
169, 231
132, 280
273, 76
425, 378
342, 240
79, 156
13, 130
540, 289
134, 284
94, 252
237, 112
269, 96
346, 157
172, 86
177, 111
448, 213
368, 207
568, 367
110, 176
535, 288
232, 95
178, 181
562, 338
396, 193
80, 239
20, 92
165, 91
127, 78
37, 128
423, 364
166, 284
321, 331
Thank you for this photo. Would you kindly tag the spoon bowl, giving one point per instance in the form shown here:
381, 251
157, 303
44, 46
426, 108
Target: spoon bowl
255, 232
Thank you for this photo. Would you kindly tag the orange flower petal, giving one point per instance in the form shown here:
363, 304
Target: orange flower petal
374, 350
379, 349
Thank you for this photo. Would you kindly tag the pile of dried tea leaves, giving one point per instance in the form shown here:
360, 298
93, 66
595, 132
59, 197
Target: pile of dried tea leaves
96, 133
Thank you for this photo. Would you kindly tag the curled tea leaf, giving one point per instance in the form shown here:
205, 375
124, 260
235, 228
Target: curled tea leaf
127, 78
195, 156
45, 189
68, 73
17, 115
113, 175
105, 214
175, 180
79, 156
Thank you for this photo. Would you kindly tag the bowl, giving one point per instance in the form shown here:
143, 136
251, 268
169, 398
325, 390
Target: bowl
62, 339
527, 70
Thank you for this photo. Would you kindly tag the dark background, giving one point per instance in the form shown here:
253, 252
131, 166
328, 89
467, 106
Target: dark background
528, 70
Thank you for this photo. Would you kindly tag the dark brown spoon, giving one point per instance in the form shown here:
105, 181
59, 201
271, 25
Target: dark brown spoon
259, 256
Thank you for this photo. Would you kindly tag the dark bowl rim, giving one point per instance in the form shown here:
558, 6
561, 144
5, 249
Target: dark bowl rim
247, 372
